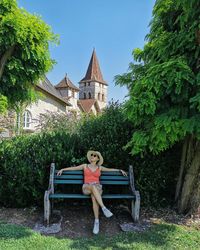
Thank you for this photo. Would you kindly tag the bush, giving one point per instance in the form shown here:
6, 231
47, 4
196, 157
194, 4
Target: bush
155, 175
108, 133
25, 161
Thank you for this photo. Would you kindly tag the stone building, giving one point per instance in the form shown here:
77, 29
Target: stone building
90, 97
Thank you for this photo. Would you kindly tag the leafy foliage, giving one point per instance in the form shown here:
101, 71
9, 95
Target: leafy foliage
3, 103
52, 121
164, 83
107, 133
25, 160
25, 164
24, 51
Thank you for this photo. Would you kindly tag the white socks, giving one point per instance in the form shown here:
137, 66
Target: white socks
107, 212
96, 226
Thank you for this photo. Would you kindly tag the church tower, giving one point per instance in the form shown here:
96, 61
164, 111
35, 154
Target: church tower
93, 86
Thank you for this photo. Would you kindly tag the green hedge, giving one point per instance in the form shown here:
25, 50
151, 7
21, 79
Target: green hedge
25, 161
25, 164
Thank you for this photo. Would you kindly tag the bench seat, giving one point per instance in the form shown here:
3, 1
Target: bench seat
82, 196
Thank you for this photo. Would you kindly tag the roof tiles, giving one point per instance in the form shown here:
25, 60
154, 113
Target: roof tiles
94, 72
66, 83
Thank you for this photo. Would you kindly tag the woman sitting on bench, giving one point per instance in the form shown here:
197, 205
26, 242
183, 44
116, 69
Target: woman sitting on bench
92, 185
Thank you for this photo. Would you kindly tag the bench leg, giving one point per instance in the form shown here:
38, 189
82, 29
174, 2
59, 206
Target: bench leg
135, 207
47, 208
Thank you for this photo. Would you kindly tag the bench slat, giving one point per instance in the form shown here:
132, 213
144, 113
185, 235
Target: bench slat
82, 196
79, 172
80, 177
81, 182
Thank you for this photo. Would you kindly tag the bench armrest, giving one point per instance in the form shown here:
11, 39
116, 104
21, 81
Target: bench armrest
132, 181
51, 178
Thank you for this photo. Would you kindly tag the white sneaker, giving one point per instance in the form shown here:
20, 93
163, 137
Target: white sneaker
96, 228
107, 212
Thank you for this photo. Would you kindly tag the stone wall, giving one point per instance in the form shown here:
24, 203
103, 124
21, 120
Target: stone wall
7, 124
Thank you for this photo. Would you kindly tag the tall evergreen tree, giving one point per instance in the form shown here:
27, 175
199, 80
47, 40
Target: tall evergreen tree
164, 89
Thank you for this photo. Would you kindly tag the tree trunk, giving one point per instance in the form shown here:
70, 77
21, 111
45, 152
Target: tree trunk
4, 59
188, 185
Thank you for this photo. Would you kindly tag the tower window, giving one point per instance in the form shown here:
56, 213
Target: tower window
99, 96
88, 83
103, 98
89, 95
84, 95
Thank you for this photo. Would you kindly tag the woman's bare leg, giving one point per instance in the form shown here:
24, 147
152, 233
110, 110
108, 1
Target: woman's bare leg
97, 196
95, 207
94, 191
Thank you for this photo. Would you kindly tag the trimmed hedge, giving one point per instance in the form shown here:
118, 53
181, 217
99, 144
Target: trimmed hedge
25, 161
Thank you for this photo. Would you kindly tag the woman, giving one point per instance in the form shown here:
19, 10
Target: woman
92, 185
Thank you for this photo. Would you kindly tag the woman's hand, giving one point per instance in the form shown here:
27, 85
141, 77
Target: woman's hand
123, 172
60, 172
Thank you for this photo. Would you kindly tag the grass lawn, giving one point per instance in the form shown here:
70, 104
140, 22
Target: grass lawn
160, 236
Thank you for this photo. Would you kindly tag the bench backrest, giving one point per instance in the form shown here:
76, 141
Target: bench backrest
76, 177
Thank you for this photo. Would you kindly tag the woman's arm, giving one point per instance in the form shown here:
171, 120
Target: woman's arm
113, 169
80, 167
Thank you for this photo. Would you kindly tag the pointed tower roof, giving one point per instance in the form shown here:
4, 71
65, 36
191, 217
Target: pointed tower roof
93, 72
66, 83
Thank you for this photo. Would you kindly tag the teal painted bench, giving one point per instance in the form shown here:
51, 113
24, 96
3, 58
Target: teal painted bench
76, 178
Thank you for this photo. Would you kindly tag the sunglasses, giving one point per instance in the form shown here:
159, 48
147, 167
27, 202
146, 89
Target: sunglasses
94, 155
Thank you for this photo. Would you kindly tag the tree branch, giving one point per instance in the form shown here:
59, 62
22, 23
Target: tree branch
4, 59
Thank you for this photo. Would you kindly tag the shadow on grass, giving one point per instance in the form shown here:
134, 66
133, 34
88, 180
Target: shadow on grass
10, 231
157, 236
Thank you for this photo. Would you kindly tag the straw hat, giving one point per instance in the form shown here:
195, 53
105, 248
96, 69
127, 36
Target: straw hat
90, 152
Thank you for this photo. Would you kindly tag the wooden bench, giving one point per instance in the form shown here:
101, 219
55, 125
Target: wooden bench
76, 178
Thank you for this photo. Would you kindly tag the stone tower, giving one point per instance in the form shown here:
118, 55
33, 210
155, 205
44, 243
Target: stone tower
68, 91
92, 86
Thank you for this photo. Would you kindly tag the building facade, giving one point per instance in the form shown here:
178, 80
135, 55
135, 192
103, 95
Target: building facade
90, 97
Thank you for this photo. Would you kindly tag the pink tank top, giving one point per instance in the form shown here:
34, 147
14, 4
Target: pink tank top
91, 176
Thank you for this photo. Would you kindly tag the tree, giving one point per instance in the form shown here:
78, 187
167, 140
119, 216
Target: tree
164, 90
24, 52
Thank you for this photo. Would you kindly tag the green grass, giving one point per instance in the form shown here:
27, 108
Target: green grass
161, 236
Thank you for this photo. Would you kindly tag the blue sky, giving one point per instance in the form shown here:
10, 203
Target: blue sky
113, 27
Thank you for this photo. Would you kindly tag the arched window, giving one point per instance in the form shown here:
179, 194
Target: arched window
99, 96
103, 98
89, 95
26, 119
84, 95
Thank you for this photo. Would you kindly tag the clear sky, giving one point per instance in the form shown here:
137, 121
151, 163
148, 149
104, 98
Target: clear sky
113, 27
